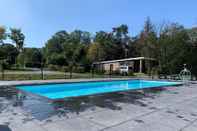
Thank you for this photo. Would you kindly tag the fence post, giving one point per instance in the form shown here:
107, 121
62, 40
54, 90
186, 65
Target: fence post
2, 69
42, 71
2, 72
92, 71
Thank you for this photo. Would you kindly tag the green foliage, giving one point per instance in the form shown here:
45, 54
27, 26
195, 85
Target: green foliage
96, 52
20, 60
146, 44
173, 49
100, 72
113, 45
18, 38
56, 59
54, 67
33, 57
9, 53
68, 49
76, 51
3, 35
130, 73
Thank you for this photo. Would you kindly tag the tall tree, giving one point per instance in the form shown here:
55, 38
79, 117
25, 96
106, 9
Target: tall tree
96, 52
80, 37
18, 38
54, 48
173, 48
2, 34
105, 41
33, 57
121, 39
147, 42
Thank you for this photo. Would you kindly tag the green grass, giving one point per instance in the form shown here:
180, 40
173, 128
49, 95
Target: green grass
36, 75
32, 76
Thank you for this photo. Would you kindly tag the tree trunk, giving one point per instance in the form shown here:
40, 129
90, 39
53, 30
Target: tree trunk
42, 73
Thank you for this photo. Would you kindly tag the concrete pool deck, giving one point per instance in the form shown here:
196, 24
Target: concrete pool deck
164, 109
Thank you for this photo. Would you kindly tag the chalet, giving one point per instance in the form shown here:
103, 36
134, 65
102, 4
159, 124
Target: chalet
138, 64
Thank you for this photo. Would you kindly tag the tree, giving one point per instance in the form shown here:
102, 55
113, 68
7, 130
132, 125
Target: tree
193, 35
121, 32
95, 52
107, 45
193, 49
171, 47
2, 34
80, 37
147, 42
54, 47
18, 38
33, 57
174, 48
121, 39
71, 56
9, 53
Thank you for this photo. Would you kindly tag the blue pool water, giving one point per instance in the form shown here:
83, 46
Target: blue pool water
59, 91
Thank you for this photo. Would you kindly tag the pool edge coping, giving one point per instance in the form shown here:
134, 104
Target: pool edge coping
62, 81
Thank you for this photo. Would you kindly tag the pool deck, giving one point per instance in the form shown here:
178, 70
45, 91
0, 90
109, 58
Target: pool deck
169, 109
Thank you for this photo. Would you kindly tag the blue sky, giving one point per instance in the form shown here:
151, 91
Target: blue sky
40, 19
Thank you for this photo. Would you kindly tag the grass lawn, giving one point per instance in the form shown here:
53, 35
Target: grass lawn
36, 75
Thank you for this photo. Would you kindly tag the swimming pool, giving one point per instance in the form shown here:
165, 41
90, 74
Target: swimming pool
67, 90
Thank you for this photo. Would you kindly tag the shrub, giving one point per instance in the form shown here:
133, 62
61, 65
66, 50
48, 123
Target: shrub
99, 72
116, 72
54, 67
79, 69
130, 73
65, 69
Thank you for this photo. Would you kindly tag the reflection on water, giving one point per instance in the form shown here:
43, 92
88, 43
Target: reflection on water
43, 109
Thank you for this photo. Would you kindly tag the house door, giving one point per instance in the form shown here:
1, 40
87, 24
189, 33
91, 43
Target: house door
111, 68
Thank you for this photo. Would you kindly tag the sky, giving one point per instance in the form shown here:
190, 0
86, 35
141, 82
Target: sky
40, 19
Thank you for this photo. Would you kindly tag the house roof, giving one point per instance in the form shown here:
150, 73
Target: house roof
122, 60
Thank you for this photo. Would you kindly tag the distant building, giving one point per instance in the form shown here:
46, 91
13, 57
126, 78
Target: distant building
138, 64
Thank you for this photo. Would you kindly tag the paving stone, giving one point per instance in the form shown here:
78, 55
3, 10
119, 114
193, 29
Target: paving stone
134, 126
164, 118
29, 126
190, 128
77, 124
113, 117
168, 110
